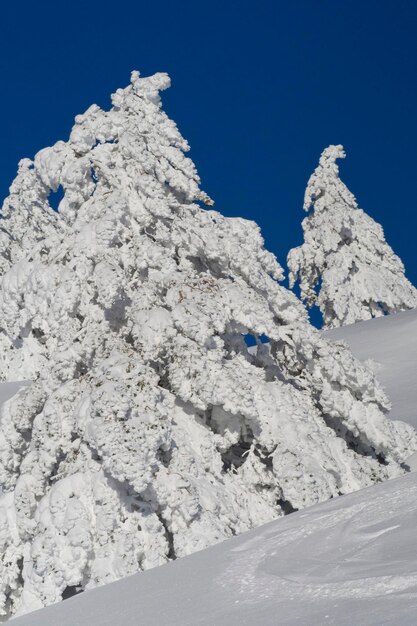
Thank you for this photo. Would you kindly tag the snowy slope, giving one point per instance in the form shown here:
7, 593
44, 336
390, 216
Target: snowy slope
392, 343
351, 560
348, 561
8, 390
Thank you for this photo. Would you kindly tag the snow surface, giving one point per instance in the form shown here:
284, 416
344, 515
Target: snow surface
8, 390
391, 343
347, 561
351, 560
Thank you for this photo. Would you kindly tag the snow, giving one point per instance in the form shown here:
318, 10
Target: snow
351, 560
391, 344
347, 561
345, 266
148, 431
8, 390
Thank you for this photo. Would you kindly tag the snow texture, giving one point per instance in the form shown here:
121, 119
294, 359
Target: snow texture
389, 346
348, 561
147, 430
345, 266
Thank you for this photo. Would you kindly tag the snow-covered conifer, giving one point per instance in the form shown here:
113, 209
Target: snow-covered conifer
345, 266
147, 429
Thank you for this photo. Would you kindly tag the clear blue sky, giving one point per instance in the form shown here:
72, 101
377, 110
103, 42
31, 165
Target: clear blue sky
259, 89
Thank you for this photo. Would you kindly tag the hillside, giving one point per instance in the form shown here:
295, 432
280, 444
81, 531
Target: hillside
392, 343
348, 561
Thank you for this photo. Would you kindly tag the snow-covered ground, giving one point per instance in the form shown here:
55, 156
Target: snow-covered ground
392, 343
349, 561
8, 390
352, 560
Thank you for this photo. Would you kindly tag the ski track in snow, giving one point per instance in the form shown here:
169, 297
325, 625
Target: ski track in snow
351, 560
348, 561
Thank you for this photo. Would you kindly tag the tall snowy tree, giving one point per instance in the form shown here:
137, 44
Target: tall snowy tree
345, 266
147, 429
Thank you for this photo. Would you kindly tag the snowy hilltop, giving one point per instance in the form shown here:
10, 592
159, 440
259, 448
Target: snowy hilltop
147, 430
345, 266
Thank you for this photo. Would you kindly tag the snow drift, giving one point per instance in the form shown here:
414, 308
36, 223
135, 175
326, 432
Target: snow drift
388, 345
348, 561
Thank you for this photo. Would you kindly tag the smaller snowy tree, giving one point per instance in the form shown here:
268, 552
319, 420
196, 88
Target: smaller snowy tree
345, 266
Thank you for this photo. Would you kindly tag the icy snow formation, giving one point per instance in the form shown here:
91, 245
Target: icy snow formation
345, 266
148, 431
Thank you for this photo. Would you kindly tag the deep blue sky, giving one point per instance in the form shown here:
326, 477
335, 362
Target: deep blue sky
259, 89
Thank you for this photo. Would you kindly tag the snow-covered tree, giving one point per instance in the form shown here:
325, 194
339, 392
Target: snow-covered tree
26, 215
345, 266
147, 429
